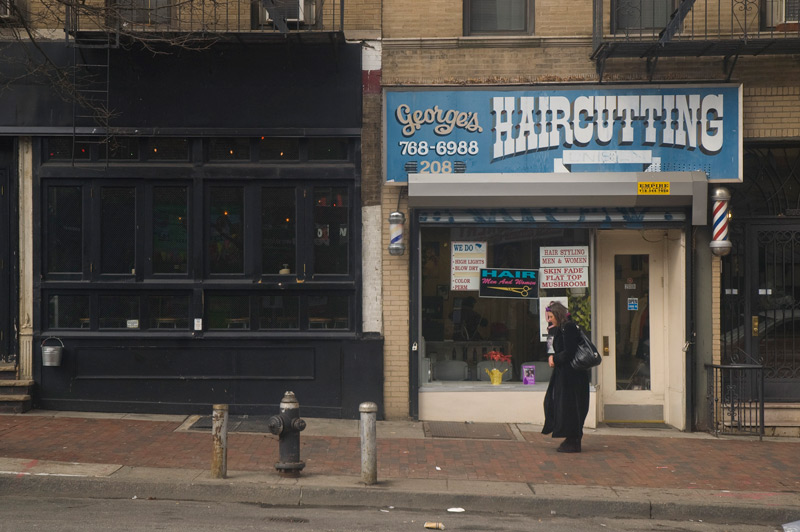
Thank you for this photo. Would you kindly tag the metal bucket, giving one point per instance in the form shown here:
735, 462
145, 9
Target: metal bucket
51, 354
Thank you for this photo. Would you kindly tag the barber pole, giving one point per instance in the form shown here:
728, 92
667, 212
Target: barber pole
720, 245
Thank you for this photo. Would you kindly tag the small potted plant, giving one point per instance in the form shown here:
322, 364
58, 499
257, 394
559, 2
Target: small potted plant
497, 358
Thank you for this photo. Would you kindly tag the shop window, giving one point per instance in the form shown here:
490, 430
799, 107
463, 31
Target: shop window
228, 312
641, 14
67, 149
460, 324
279, 230
64, 229
331, 230
169, 312
123, 149
225, 233
278, 149
328, 312
279, 312
327, 149
167, 149
492, 17
118, 230
68, 311
118, 312
229, 149
170, 230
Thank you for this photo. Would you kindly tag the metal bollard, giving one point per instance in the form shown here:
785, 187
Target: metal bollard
287, 425
219, 433
369, 443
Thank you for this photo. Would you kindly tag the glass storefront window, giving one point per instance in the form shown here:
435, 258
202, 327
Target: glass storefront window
228, 312
279, 312
169, 312
226, 220
119, 312
278, 149
278, 233
64, 229
170, 238
328, 312
331, 230
118, 230
68, 312
459, 326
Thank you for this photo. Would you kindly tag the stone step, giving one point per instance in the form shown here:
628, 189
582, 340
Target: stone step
16, 387
8, 371
15, 404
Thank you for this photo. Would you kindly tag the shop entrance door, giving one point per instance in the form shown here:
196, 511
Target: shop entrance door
631, 331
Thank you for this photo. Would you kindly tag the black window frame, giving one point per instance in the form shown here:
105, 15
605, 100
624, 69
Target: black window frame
529, 21
198, 283
617, 28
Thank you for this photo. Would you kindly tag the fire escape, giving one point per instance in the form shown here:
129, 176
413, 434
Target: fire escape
651, 29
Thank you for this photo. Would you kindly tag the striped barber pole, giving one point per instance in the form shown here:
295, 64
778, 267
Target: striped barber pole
720, 245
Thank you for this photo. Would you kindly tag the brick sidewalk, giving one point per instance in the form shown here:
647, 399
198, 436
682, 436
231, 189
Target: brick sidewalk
609, 461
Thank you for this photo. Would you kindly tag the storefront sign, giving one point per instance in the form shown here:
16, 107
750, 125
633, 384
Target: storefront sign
564, 266
630, 129
467, 259
509, 283
651, 188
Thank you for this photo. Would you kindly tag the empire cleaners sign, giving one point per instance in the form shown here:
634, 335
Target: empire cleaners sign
564, 267
467, 259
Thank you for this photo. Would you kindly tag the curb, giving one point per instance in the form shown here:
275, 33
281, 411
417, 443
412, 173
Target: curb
506, 498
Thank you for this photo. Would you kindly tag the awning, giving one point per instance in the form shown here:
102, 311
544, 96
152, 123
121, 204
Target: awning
578, 189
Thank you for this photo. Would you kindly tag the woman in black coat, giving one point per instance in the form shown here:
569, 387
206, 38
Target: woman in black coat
567, 400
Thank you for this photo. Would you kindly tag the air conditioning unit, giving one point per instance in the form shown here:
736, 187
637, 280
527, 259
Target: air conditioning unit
295, 11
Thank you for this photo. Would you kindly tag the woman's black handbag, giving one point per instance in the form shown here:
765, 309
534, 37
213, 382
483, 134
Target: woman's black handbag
586, 356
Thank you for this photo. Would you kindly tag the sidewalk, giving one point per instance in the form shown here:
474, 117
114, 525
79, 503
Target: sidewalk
632, 473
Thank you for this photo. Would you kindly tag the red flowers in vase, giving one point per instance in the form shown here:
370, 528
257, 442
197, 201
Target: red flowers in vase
497, 356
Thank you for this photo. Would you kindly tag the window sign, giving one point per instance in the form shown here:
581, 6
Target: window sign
628, 129
467, 259
564, 266
496, 282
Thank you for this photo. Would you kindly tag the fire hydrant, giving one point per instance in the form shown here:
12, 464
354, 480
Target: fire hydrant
287, 425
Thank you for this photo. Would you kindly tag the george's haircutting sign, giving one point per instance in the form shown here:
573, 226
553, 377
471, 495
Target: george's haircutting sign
625, 129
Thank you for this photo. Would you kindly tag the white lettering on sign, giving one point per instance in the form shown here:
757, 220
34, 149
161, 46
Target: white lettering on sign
531, 123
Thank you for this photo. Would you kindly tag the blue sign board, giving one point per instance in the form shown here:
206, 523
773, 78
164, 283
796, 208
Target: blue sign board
630, 129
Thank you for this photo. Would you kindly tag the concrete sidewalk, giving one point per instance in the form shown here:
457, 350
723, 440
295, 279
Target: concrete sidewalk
633, 473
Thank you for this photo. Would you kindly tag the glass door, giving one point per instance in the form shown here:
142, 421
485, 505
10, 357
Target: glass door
632, 332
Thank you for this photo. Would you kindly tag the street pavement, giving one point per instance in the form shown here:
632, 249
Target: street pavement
622, 473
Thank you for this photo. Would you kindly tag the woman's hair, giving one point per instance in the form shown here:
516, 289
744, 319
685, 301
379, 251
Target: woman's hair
559, 312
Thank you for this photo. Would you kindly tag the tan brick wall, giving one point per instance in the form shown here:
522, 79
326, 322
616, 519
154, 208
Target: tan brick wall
395, 314
371, 175
361, 15
422, 18
771, 112
716, 309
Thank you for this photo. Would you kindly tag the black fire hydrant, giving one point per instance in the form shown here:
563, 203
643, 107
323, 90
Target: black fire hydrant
287, 425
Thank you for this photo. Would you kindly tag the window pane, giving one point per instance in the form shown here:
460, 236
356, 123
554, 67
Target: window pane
119, 312
279, 312
235, 149
144, 11
123, 149
63, 149
642, 14
64, 229
118, 230
228, 312
68, 312
169, 312
226, 217
497, 15
332, 230
328, 312
170, 241
166, 149
327, 149
272, 149
279, 239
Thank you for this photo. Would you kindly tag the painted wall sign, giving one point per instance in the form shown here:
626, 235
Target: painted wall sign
564, 266
466, 261
630, 129
507, 283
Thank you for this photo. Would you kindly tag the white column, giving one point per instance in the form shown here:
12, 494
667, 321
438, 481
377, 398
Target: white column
25, 258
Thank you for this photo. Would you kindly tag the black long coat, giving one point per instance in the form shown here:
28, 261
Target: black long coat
567, 400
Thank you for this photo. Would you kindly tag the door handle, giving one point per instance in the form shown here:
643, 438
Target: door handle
605, 346
755, 325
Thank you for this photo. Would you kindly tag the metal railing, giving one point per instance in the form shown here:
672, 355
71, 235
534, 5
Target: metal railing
735, 396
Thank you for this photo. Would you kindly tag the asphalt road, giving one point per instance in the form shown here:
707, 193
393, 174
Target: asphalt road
22, 514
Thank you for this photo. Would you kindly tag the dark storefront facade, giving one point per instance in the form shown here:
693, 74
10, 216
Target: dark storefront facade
207, 248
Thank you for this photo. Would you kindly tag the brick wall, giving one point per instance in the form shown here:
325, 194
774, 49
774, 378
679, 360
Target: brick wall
395, 315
